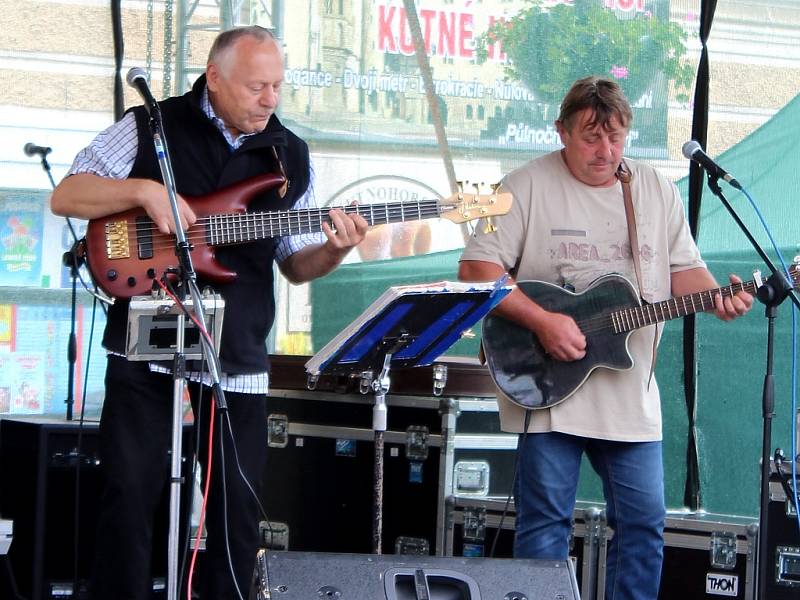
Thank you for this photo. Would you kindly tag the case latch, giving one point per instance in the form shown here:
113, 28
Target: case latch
417, 442
471, 478
723, 550
475, 524
277, 431
439, 379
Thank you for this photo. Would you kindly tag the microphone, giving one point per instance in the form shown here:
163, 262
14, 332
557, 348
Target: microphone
693, 151
137, 79
32, 150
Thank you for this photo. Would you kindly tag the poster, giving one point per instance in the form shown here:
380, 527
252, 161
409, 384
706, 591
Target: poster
22, 382
353, 75
21, 231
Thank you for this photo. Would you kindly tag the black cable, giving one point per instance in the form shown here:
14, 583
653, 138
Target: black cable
187, 540
791, 492
224, 420
79, 458
520, 445
12, 582
225, 417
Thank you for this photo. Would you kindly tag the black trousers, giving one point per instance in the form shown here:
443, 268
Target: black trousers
135, 439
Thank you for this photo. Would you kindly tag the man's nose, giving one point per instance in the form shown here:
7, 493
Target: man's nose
269, 97
604, 147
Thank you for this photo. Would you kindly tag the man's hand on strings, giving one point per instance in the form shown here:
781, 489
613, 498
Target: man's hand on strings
560, 336
734, 306
346, 230
155, 202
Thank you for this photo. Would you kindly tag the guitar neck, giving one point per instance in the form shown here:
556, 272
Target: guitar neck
246, 227
629, 319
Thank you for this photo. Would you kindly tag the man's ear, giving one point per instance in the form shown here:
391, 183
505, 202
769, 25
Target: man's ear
212, 77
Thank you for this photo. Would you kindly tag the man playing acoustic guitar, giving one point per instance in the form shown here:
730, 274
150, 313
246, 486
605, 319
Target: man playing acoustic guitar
220, 133
568, 226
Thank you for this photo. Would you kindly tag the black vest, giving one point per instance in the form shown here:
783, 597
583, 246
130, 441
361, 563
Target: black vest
203, 163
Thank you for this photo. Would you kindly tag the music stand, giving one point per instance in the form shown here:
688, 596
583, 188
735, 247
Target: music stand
407, 326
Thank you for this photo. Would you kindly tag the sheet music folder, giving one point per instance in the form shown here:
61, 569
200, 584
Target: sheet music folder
416, 323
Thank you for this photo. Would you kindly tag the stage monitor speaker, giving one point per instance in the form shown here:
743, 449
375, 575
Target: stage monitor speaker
304, 575
38, 460
38, 474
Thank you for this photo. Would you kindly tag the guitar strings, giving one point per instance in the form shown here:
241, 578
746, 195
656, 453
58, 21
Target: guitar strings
232, 232
309, 215
242, 226
431, 207
635, 317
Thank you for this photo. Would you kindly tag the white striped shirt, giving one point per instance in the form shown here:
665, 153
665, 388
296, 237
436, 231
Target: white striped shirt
112, 154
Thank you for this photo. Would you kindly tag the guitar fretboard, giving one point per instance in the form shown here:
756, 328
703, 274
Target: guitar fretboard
245, 227
629, 319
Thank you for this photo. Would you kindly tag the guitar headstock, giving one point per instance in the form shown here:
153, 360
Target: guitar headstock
794, 271
468, 207
792, 275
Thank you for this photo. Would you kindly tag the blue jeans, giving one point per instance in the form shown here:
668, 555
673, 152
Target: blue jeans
633, 485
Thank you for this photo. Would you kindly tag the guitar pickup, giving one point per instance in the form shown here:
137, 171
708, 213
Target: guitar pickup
117, 243
144, 237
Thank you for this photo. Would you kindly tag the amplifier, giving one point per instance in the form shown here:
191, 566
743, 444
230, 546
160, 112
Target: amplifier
783, 541
39, 467
43, 476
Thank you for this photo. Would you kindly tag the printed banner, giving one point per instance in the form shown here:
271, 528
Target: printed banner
21, 231
22, 383
491, 97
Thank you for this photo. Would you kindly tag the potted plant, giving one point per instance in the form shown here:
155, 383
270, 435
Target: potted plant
550, 47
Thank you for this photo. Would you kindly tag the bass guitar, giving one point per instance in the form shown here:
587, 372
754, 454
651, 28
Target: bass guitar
125, 252
607, 312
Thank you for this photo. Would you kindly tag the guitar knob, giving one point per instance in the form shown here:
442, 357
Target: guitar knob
111, 275
151, 273
131, 281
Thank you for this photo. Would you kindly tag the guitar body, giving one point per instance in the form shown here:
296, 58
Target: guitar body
530, 377
125, 252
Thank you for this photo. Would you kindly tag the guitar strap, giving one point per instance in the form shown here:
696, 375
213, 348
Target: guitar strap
283, 189
624, 176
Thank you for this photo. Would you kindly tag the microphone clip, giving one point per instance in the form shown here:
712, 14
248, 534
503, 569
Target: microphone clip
75, 257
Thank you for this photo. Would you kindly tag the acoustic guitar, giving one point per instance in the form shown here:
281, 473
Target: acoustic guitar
125, 252
607, 312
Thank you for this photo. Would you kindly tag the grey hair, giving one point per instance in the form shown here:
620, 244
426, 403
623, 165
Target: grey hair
225, 40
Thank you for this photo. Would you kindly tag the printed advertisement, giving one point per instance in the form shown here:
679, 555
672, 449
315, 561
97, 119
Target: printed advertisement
22, 382
497, 70
21, 231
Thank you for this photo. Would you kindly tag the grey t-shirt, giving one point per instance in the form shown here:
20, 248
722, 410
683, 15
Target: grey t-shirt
564, 232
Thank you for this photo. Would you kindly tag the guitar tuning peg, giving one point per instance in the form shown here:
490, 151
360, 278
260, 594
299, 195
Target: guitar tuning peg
490, 227
494, 187
757, 278
477, 188
460, 186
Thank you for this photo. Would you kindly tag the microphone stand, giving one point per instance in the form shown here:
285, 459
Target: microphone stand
772, 293
187, 282
73, 261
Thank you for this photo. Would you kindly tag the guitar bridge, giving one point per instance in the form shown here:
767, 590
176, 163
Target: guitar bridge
117, 243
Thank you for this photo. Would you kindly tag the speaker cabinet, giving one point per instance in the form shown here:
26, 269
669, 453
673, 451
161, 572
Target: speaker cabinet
41, 468
304, 575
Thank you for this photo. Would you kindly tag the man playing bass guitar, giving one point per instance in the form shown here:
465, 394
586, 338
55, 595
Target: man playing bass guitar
568, 226
223, 132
